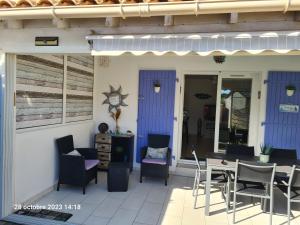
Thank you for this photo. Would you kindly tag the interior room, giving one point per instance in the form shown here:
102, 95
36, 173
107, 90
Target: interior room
199, 111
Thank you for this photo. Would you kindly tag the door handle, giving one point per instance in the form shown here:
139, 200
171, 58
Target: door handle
140, 136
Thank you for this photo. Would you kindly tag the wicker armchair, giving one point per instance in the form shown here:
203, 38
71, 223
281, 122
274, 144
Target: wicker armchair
156, 167
73, 169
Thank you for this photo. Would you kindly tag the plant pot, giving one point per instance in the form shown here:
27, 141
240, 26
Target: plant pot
157, 89
290, 92
264, 158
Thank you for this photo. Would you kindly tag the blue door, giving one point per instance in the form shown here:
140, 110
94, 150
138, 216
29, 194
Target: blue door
282, 128
155, 110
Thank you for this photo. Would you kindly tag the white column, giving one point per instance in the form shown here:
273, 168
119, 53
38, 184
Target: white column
8, 65
2, 74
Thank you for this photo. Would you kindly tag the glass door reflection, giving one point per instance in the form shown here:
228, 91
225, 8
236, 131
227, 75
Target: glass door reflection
234, 111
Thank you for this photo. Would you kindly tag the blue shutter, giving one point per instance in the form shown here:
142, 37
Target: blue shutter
282, 129
155, 110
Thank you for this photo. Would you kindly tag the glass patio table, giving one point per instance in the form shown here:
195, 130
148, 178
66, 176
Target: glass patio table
219, 161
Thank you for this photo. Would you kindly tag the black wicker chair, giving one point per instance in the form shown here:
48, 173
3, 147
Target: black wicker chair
156, 168
73, 169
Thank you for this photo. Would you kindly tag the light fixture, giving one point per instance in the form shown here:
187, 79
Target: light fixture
156, 86
290, 90
219, 59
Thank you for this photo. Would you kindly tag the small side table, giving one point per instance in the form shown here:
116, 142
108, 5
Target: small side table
117, 177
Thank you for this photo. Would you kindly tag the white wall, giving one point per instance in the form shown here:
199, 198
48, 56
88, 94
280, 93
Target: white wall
124, 70
36, 156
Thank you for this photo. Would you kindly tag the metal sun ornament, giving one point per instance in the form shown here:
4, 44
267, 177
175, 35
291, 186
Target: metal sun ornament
114, 98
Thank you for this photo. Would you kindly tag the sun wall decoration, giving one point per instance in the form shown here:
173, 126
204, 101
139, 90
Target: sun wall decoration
114, 99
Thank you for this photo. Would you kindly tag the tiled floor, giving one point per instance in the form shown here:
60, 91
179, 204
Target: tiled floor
151, 203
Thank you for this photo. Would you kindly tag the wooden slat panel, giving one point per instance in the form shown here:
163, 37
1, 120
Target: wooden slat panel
39, 99
80, 82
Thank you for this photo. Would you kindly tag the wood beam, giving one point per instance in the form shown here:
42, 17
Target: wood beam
112, 22
233, 18
204, 28
169, 21
297, 16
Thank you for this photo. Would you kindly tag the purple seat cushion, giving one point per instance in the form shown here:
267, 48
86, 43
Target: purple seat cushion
91, 163
155, 161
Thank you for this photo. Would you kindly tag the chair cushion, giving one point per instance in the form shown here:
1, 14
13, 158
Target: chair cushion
91, 163
156, 153
155, 161
74, 152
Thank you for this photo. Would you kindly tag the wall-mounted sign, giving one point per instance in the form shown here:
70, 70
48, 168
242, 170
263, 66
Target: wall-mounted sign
46, 41
289, 108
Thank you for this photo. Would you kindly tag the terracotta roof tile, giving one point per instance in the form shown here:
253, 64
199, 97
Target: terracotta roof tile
49, 3
67, 2
45, 3
6, 4
24, 3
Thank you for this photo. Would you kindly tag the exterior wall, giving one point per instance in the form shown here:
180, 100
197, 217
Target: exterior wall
124, 70
35, 159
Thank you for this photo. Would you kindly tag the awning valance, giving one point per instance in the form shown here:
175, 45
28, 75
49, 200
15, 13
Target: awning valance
201, 44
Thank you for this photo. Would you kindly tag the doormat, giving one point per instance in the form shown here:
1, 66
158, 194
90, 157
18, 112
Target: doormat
45, 214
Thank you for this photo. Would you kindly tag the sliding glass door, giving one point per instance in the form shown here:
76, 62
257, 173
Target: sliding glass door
237, 110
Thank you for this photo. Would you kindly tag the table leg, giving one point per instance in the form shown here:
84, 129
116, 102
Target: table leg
207, 194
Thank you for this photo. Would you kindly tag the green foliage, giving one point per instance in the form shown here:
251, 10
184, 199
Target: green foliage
290, 87
266, 149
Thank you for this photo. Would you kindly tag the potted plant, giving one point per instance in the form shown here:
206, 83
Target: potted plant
290, 90
265, 153
156, 87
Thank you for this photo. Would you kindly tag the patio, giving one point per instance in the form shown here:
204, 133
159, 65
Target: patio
153, 203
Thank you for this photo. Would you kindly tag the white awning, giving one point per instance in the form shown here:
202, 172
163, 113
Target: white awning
201, 44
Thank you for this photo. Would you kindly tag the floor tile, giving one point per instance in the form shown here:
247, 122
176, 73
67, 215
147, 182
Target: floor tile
123, 217
95, 220
134, 201
153, 203
169, 220
149, 213
108, 207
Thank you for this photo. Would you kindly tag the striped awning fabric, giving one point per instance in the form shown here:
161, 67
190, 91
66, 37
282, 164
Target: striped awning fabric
201, 44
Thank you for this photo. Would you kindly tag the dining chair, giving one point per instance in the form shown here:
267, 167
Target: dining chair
217, 178
286, 153
279, 153
255, 173
244, 150
291, 189
237, 150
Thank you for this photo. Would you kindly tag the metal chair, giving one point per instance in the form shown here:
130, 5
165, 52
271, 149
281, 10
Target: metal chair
237, 150
291, 189
279, 153
244, 150
217, 178
254, 173
286, 153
